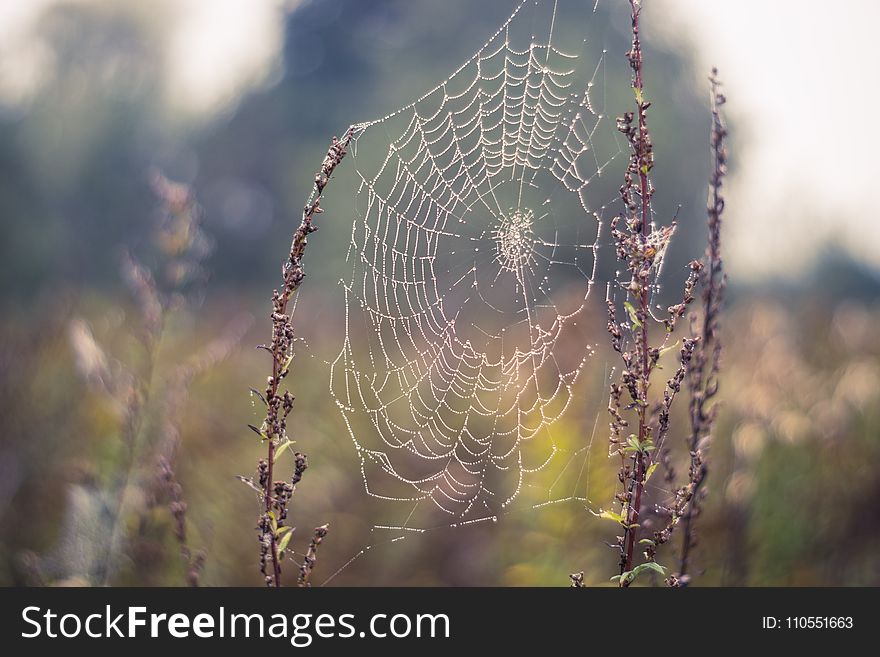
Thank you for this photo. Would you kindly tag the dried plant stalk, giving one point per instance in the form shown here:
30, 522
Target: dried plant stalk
640, 247
308, 564
275, 495
182, 246
702, 375
175, 406
702, 379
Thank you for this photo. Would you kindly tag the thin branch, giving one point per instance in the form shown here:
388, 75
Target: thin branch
279, 405
639, 225
640, 246
305, 571
703, 377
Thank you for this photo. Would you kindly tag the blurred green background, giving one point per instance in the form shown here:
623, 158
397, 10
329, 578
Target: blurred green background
237, 102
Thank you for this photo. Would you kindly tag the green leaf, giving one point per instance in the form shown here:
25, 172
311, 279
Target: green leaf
282, 544
273, 522
646, 541
633, 445
630, 575
282, 448
674, 345
648, 565
626, 577
633, 315
259, 395
259, 432
287, 363
653, 565
609, 515
638, 94
650, 471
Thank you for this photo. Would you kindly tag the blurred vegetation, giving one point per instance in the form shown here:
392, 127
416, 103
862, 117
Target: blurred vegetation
793, 477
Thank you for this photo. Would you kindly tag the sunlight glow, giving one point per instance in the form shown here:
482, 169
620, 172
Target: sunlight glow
801, 102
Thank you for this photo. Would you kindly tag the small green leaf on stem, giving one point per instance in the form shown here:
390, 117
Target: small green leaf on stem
630, 575
283, 447
609, 515
259, 432
633, 315
648, 565
259, 395
285, 539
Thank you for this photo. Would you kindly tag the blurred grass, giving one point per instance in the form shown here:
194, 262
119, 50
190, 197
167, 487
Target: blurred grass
793, 480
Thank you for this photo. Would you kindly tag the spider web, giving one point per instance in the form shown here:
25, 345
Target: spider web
472, 256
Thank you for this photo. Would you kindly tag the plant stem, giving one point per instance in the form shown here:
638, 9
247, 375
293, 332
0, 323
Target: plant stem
643, 155
279, 405
702, 379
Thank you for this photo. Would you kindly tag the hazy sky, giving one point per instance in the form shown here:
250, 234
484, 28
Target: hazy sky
802, 89
211, 51
799, 77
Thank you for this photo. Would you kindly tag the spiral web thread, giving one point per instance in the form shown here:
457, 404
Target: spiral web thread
472, 258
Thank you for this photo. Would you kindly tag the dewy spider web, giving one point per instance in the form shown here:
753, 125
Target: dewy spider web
472, 257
